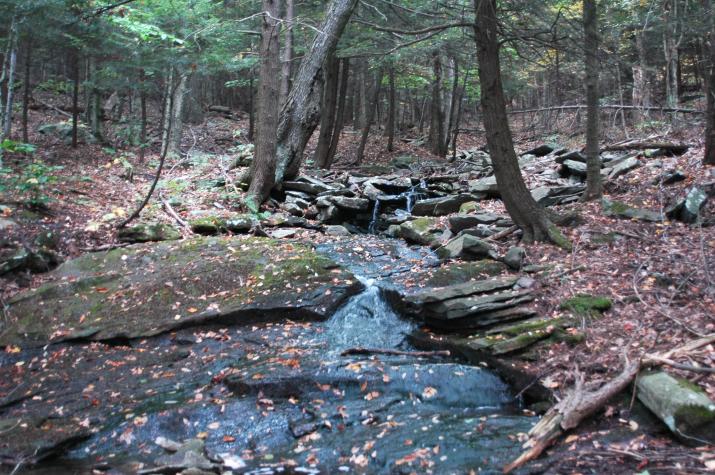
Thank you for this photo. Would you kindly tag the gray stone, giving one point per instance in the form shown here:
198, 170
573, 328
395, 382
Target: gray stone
688, 209
627, 165
463, 307
685, 408
542, 150
148, 233
283, 233
63, 131
308, 185
292, 209
328, 213
352, 204
572, 167
622, 210
514, 257
465, 289
466, 247
337, 230
575, 156
460, 222
442, 206
487, 185
425, 231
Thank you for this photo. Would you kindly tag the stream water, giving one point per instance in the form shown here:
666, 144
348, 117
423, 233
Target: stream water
283, 398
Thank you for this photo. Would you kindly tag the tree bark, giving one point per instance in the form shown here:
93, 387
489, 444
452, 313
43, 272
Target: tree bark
372, 107
522, 208
264, 165
390, 129
26, 91
94, 110
594, 187
75, 100
436, 131
301, 113
142, 133
641, 95
7, 120
709, 157
453, 105
287, 65
670, 48
327, 115
340, 115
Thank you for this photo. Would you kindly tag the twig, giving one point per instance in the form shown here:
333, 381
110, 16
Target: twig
502, 234
383, 351
655, 359
170, 211
104, 247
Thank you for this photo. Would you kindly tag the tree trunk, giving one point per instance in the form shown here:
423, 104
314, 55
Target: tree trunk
26, 91
95, 103
327, 115
670, 48
709, 158
7, 120
594, 187
522, 208
75, 100
264, 165
287, 66
372, 107
641, 83
301, 113
390, 129
167, 108
436, 131
251, 109
340, 115
454, 104
142, 133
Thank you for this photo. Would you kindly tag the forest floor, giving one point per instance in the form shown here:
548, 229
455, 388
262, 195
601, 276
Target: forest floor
660, 276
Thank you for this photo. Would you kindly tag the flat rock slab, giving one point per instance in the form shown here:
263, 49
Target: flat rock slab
150, 289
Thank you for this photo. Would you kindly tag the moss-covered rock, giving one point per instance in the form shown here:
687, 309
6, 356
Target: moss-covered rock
587, 305
424, 231
451, 274
149, 289
149, 233
621, 210
208, 225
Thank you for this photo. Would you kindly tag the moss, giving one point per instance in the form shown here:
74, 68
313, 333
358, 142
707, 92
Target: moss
558, 238
601, 238
458, 273
571, 338
519, 342
529, 326
614, 207
587, 305
421, 225
208, 225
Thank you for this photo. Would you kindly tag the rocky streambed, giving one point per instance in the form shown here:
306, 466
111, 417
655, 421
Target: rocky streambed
219, 355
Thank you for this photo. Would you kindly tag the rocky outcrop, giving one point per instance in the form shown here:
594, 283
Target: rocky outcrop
150, 289
148, 233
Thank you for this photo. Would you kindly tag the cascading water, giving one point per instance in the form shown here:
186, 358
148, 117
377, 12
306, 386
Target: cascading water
372, 228
411, 196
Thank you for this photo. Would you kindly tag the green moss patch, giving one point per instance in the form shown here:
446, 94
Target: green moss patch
587, 305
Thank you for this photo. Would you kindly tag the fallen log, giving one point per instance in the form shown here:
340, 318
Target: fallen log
383, 351
567, 414
676, 148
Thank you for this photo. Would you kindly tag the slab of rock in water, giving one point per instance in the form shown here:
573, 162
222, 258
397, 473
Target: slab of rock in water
150, 289
425, 231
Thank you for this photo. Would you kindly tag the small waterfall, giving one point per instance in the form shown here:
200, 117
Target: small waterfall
375, 216
413, 194
366, 320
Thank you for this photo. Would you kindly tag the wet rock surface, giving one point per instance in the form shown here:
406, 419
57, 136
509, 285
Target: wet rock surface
270, 396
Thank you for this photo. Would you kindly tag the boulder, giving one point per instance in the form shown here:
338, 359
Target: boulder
542, 150
28, 259
425, 231
487, 186
466, 247
623, 167
622, 210
352, 204
149, 289
572, 167
337, 230
688, 209
682, 406
514, 257
148, 233
575, 156
442, 206
63, 131
460, 222
307, 184
551, 195
208, 225
469, 207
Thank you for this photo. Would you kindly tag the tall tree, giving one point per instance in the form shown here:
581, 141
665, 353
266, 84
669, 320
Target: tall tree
709, 158
301, 113
594, 187
287, 66
436, 131
263, 166
524, 211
